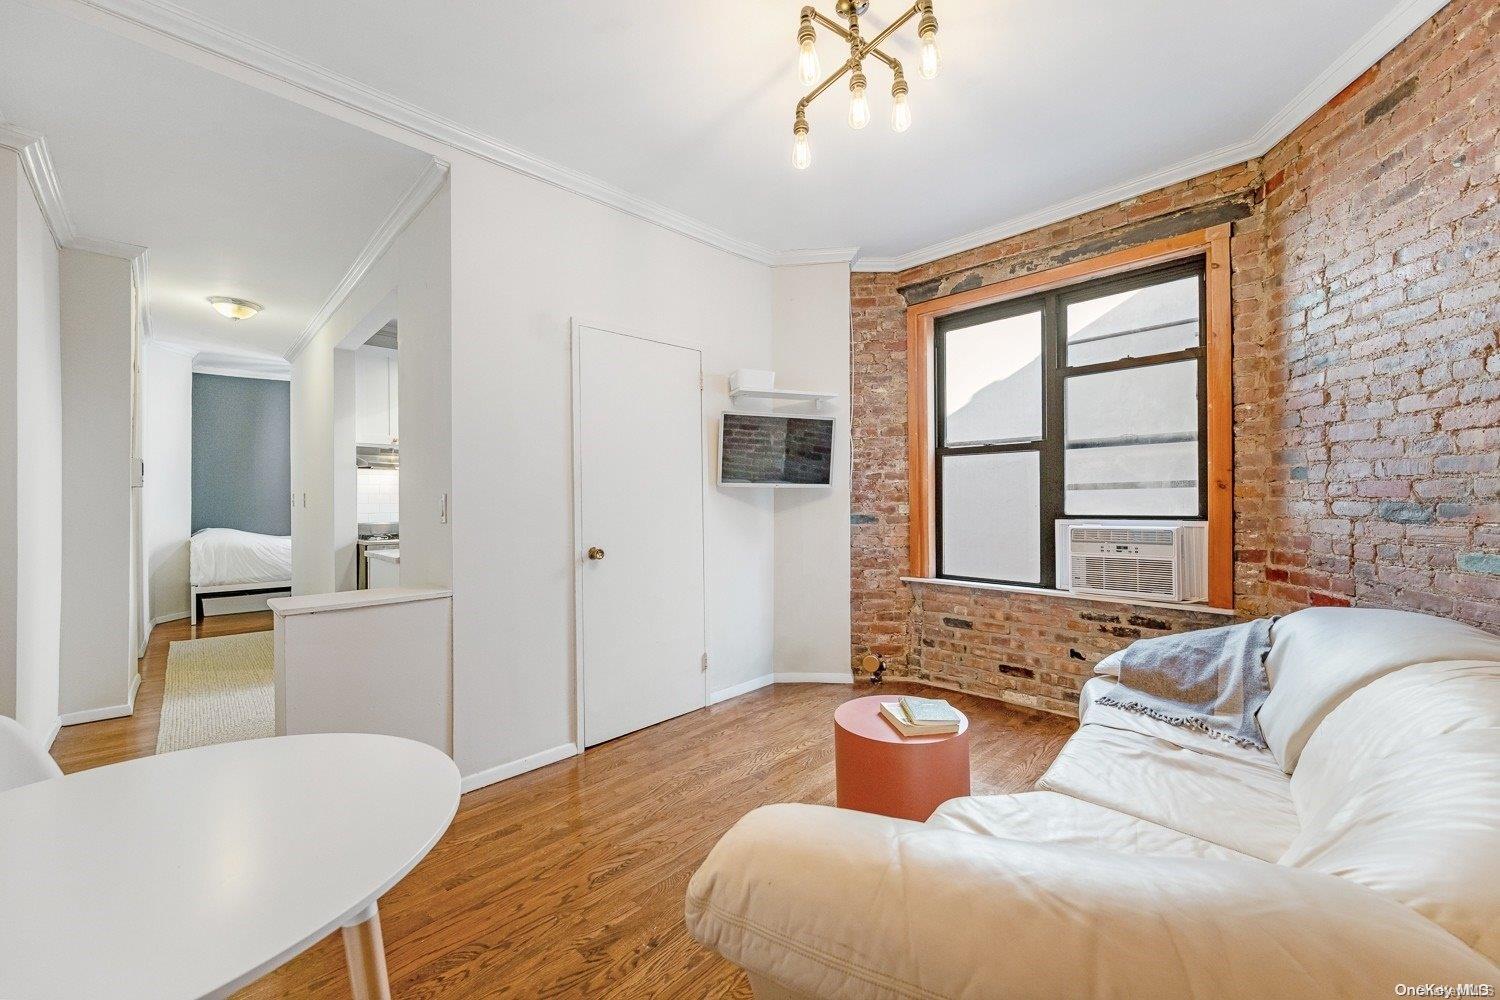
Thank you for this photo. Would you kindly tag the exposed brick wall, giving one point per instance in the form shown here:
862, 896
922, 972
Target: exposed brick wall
1366, 283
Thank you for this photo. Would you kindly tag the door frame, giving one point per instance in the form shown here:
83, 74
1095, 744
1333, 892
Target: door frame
576, 325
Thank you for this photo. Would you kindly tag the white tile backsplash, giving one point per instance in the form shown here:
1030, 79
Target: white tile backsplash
378, 494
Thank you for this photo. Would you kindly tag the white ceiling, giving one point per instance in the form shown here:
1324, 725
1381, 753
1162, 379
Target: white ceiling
1042, 105
234, 192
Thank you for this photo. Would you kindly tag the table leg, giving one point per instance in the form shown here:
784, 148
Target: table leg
365, 952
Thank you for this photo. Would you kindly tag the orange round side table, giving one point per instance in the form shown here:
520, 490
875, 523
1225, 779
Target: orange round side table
881, 771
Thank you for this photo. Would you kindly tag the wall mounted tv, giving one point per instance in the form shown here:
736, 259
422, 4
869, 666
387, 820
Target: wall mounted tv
766, 449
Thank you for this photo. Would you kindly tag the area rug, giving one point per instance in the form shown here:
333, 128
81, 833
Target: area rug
218, 690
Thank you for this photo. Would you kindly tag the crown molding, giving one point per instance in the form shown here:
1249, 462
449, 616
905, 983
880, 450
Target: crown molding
411, 203
832, 255
1364, 53
36, 162
238, 366
172, 348
1386, 34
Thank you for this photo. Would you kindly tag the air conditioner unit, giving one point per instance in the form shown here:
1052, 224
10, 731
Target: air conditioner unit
1166, 562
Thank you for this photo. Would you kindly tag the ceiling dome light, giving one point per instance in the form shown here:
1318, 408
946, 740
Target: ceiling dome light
234, 308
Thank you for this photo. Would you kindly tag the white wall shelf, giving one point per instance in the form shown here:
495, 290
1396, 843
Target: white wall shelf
787, 394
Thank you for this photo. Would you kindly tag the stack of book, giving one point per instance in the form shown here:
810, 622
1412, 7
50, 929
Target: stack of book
913, 716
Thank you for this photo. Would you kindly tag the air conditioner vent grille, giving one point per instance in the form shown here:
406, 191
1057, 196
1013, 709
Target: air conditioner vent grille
1124, 536
1151, 577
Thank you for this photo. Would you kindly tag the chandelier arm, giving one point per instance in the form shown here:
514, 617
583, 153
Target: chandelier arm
828, 22
890, 29
893, 63
833, 78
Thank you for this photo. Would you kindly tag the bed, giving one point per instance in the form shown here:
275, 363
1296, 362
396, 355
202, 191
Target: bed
225, 562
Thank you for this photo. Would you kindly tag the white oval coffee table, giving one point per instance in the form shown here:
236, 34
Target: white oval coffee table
193, 873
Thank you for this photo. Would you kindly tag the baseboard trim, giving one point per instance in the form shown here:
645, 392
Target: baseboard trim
163, 619
52, 736
108, 711
97, 714
735, 690
765, 680
835, 677
500, 772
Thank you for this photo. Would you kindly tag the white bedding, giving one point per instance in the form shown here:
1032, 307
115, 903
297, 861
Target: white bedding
222, 556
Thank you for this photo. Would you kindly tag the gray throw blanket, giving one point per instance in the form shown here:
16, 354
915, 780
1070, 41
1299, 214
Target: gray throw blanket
1213, 680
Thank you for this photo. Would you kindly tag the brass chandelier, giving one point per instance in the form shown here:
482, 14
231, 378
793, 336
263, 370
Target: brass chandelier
859, 104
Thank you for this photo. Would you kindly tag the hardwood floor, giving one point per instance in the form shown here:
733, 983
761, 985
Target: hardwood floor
568, 881
98, 743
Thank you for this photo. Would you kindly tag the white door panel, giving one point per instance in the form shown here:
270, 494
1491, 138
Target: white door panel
639, 440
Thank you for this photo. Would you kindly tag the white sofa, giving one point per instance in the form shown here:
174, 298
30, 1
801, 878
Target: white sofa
1361, 854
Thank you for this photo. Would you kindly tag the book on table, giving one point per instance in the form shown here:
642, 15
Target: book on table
929, 711
893, 713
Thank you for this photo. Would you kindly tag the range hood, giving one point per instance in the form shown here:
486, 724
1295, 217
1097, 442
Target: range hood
371, 457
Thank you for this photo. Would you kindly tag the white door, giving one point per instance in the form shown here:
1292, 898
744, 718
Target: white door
638, 440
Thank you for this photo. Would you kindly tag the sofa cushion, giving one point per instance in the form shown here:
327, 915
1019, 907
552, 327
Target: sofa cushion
1050, 818
1399, 791
1239, 804
1320, 656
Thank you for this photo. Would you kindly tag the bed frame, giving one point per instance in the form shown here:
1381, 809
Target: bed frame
197, 594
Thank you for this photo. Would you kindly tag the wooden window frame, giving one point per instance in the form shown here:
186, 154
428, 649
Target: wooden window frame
1212, 245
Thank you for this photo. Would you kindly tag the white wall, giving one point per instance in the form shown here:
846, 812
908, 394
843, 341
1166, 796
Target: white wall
30, 457
810, 350
167, 496
423, 323
528, 257
345, 475
98, 656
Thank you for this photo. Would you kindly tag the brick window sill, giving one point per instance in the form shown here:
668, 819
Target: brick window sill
1068, 594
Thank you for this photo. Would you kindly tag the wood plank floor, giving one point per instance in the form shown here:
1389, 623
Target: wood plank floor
568, 881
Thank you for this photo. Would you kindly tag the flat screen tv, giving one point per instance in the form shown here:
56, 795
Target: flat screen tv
764, 449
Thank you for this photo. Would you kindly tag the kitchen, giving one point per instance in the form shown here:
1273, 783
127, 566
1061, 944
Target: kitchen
377, 460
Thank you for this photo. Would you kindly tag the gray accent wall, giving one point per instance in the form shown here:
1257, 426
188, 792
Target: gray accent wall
242, 470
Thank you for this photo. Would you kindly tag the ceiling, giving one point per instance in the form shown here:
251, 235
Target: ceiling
678, 110
1042, 105
234, 192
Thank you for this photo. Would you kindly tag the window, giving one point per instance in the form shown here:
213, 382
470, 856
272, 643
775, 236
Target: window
1088, 392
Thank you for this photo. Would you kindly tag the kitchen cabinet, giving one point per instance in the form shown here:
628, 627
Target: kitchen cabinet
376, 397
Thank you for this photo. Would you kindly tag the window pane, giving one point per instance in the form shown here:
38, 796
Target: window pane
992, 516
992, 381
1135, 324
1132, 443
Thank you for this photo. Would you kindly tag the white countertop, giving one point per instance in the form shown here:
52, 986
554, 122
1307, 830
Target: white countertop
345, 599
384, 555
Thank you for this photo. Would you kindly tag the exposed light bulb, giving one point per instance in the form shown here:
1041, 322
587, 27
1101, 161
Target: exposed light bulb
801, 152
859, 105
808, 68
900, 109
931, 60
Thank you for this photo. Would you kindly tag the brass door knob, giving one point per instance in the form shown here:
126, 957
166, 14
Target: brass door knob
596, 553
